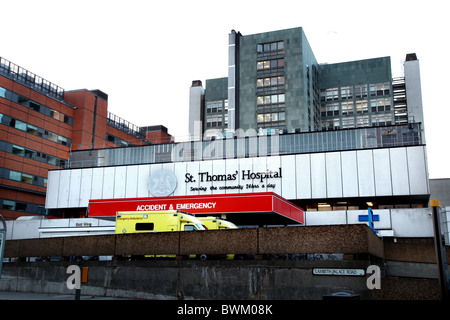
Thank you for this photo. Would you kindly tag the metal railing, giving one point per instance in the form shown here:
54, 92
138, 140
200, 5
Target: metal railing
29, 79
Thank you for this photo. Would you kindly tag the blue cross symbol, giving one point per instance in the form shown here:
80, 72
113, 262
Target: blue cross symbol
370, 217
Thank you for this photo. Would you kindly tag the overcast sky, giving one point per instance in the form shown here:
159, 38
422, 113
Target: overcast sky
144, 54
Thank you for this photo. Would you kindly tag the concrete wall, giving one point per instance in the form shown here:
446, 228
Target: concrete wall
408, 265
225, 280
348, 239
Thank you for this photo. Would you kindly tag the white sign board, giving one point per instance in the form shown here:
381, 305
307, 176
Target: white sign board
338, 272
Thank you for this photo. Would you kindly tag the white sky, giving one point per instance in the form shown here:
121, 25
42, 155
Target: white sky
144, 54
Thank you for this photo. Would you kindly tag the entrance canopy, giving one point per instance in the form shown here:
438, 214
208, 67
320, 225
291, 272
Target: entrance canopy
243, 209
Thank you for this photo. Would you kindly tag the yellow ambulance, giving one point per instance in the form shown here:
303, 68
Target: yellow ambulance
213, 223
156, 221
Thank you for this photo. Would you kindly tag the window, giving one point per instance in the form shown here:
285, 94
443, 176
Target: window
21, 206
361, 106
20, 151
19, 124
9, 205
35, 106
33, 130
346, 93
14, 175
361, 91
379, 89
348, 123
14, 97
329, 94
214, 106
362, 121
270, 64
271, 99
270, 82
380, 105
271, 117
57, 115
27, 178
381, 120
272, 47
62, 140
189, 227
214, 121
144, 226
32, 154
347, 107
329, 110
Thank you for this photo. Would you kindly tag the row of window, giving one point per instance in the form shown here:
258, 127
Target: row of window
216, 106
217, 121
271, 99
360, 106
216, 114
270, 82
14, 97
359, 121
23, 207
271, 117
118, 141
270, 64
358, 91
36, 131
39, 156
23, 177
270, 47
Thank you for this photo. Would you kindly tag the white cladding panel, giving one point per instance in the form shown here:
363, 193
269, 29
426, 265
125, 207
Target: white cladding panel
205, 166
288, 185
64, 189
418, 173
142, 182
364, 173
97, 183
349, 174
334, 175
86, 187
51, 199
381, 166
108, 182
192, 168
131, 181
399, 170
318, 175
260, 166
120, 178
218, 168
232, 167
75, 186
246, 164
303, 175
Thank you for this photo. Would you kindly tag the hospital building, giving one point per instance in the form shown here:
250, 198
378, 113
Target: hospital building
284, 139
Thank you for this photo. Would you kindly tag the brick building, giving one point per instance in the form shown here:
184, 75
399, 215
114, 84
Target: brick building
41, 123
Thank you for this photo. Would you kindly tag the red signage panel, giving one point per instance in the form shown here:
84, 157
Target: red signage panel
206, 204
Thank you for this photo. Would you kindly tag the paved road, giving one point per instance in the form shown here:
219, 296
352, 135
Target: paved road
48, 296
